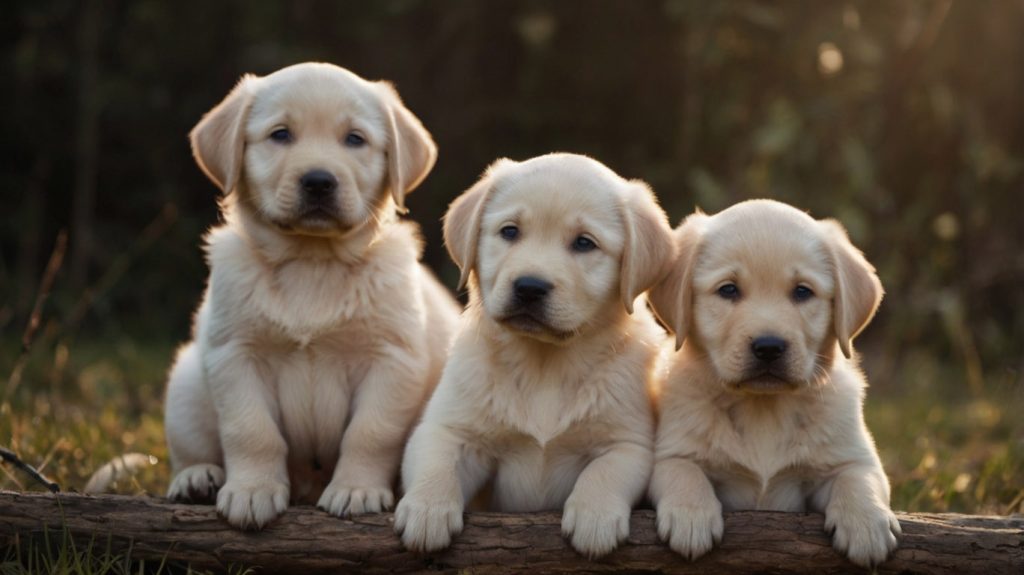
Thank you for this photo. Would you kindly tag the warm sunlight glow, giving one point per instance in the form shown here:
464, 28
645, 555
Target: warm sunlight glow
830, 59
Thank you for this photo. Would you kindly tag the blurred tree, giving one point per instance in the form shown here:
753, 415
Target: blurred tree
86, 140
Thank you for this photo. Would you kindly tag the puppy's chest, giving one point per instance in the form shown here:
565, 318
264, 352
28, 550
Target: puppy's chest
542, 408
763, 444
306, 301
532, 477
545, 436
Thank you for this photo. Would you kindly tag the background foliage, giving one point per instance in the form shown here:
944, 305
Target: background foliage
903, 119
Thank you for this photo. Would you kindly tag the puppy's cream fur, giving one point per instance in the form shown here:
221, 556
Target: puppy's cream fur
320, 335
735, 433
552, 410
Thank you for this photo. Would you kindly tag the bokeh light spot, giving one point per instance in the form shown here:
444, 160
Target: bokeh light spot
830, 59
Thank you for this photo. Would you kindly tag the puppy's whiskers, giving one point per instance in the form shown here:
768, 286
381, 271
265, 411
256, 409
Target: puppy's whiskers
377, 219
823, 375
821, 378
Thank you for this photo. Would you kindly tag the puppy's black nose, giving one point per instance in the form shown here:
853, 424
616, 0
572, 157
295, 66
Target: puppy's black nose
318, 184
529, 289
768, 348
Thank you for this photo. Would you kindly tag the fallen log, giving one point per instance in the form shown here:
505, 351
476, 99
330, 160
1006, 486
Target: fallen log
305, 540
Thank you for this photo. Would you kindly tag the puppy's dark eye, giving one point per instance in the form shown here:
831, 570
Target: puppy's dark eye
281, 135
354, 140
729, 292
583, 244
509, 233
802, 293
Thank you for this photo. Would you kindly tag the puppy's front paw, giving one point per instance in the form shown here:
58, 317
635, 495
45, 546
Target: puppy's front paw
595, 527
197, 483
427, 524
864, 534
251, 504
690, 530
346, 500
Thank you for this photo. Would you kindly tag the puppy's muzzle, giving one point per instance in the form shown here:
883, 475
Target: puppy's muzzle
529, 291
525, 309
768, 373
768, 348
318, 186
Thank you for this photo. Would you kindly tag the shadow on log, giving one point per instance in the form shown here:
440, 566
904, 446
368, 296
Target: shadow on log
305, 540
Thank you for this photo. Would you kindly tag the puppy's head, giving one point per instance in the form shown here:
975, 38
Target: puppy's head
552, 245
313, 149
766, 292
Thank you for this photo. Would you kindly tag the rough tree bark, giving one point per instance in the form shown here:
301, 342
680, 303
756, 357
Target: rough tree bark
305, 540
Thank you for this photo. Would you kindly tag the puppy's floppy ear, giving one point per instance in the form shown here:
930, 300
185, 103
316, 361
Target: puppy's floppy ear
648, 248
672, 297
411, 149
218, 140
858, 290
462, 222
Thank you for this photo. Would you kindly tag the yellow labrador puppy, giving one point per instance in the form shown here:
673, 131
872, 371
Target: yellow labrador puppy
545, 393
320, 335
762, 408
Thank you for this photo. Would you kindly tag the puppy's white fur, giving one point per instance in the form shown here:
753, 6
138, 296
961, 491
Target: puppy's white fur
320, 335
734, 434
552, 410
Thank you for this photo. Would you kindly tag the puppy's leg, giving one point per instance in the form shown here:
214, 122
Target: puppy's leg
256, 489
385, 407
441, 471
191, 429
689, 514
856, 507
596, 514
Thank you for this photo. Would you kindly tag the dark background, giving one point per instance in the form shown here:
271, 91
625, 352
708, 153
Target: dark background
915, 141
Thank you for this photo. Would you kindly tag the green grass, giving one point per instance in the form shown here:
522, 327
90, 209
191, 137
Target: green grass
57, 553
946, 446
77, 408
80, 406
966, 457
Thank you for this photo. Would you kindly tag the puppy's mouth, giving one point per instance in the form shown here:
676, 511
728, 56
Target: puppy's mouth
530, 324
766, 382
315, 219
319, 212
